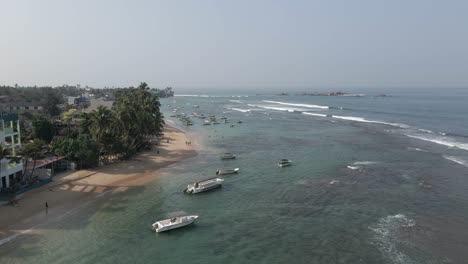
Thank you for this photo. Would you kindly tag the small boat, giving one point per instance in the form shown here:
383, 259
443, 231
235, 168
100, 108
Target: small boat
226, 121
173, 223
239, 122
196, 106
203, 186
228, 156
284, 163
232, 125
223, 117
207, 123
225, 171
215, 122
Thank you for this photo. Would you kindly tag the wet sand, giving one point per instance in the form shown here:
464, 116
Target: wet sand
70, 190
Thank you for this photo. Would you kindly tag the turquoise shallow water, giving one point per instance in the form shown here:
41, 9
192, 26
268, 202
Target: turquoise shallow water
404, 199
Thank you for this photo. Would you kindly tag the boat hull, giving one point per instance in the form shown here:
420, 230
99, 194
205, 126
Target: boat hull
227, 172
204, 186
163, 228
210, 188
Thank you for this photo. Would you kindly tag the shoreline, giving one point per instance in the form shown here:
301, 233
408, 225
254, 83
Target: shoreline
69, 191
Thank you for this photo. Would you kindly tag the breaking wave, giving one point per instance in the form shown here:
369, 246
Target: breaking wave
457, 160
288, 109
299, 105
385, 237
366, 162
442, 141
361, 119
314, 114
240, 110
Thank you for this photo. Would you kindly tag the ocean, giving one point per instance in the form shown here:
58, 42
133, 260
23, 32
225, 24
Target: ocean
375, 179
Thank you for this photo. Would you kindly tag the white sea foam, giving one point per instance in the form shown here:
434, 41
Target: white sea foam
240, 110
236, 101
314, 114
288, 109
418, 149
386, 237
425, 130
295, 104
334, 182
360, 119
457, 160
442, 141
353, 167
366, 162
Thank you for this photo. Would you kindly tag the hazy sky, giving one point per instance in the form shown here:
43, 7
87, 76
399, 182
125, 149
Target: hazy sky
198, 43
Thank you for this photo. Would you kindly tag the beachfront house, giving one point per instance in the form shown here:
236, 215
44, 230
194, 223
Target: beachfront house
11, 170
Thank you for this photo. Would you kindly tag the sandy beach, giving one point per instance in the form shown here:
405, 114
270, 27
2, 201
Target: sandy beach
70, 190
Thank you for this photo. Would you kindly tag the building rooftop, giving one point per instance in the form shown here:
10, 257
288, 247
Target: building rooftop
8, 117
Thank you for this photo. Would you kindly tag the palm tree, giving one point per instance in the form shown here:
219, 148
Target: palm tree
32, 150
100, 126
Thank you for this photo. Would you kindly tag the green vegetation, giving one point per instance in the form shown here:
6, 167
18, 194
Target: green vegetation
82, 149
101, 135
118, 132
165, 93
32, 150
43, 129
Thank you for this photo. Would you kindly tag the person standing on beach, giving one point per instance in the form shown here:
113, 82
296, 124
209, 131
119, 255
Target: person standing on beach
46, 207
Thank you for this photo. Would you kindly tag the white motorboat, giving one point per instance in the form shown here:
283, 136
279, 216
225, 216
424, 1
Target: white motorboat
226, 171
173, 223
284, 163
203, 186
207, 123
228, 156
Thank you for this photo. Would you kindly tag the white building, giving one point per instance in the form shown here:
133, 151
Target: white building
10, 137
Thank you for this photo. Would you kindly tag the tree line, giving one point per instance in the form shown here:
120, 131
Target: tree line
114, 133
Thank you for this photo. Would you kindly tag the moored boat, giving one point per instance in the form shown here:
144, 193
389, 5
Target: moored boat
173, 223
226, 171
284, 163
203, 186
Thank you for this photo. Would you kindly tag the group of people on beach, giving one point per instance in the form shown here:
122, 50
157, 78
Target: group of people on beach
188, 142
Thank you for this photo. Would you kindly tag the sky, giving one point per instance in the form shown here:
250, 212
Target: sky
224, 44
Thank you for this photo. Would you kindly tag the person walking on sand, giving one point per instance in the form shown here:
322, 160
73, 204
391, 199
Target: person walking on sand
46, 207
